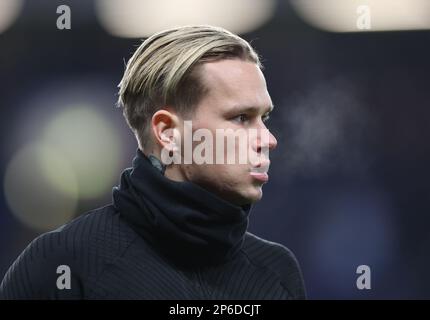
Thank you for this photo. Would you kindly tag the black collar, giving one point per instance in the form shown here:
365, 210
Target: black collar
181, 219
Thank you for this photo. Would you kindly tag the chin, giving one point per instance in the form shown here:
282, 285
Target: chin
254, 195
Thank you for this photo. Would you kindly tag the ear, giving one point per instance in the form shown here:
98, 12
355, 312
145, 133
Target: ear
164, 123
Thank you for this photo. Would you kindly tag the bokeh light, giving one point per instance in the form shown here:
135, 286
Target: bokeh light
9, 11
91, 146
385, 15
136, 18
30, 192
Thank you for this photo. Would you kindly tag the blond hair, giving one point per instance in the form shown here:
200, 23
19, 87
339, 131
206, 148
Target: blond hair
163, 71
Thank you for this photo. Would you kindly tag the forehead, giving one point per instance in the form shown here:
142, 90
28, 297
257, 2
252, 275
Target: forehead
235, 82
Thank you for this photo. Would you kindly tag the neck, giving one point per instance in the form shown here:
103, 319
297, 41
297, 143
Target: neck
186, 222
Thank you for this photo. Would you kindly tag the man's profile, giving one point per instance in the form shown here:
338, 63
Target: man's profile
178, 229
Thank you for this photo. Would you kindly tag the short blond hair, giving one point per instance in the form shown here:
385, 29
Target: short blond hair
163, 71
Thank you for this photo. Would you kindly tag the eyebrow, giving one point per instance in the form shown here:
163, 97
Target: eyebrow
252, 109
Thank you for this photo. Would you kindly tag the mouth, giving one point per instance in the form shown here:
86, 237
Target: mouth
262, 177
259, 172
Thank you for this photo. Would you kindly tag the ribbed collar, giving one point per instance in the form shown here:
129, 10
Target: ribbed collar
185, 222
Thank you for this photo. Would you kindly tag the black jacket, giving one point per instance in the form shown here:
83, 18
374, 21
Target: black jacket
160, 239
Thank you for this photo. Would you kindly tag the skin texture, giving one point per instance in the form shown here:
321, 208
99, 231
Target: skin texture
237, 99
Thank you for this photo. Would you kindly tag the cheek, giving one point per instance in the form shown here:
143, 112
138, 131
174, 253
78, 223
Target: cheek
228, 176
222, 175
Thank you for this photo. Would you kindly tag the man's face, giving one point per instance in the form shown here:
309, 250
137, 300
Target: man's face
237, 99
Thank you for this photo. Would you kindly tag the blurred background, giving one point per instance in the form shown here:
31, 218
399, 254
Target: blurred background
350, 83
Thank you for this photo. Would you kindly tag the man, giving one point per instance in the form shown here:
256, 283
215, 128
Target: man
178, 229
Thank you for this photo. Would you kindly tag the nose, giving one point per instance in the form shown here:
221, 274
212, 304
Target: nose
272, 141
266, 141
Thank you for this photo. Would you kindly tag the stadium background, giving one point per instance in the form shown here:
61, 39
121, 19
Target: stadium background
349, 179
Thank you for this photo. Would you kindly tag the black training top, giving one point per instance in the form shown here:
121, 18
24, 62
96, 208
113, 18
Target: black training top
160, 239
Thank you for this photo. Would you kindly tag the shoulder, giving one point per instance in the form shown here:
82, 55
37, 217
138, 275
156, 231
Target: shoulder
82, 248
277, 258
265, 252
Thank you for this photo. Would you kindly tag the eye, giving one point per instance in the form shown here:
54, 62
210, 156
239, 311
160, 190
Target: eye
241, 118
265, 118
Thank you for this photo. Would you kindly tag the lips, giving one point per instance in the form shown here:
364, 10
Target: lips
259, 172
263, 177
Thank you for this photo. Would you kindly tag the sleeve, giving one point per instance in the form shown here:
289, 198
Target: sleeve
44, 270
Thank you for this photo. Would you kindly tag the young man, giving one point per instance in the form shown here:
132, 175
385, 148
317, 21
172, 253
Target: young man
177, 227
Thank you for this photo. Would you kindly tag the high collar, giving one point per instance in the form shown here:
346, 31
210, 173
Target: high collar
184, 221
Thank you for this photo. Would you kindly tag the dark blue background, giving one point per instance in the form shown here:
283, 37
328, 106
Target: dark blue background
350, 177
